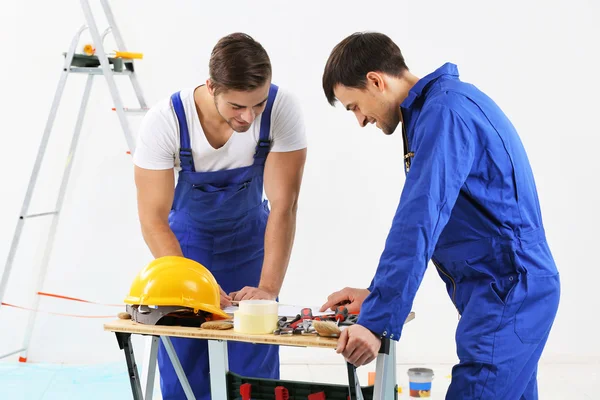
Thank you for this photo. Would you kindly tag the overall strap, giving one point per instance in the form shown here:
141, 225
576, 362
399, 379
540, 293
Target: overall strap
264, 143
185, 148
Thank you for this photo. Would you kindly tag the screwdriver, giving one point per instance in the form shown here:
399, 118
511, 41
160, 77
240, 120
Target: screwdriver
341, 313
306, 313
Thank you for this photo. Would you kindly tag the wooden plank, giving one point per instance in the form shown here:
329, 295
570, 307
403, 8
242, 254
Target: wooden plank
129, 326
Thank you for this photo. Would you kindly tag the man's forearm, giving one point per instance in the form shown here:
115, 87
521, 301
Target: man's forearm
161, 240
279, 239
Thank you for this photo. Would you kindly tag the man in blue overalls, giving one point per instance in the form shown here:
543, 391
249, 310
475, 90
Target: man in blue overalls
225, 139
469, 204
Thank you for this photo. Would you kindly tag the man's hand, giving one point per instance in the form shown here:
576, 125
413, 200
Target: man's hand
252, 293
358, 345
225, 298
353, 298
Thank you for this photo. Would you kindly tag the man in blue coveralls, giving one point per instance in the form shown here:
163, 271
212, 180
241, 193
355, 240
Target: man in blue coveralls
469, 204
228, 140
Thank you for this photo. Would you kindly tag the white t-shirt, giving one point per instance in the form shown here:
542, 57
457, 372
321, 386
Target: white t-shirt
158, 139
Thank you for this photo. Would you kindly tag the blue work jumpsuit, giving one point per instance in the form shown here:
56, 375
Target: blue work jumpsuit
219, 219
469, 205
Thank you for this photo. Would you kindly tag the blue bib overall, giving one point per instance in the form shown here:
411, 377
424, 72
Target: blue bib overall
219, 219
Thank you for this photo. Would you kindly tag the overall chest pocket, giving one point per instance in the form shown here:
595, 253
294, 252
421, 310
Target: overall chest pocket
214, 193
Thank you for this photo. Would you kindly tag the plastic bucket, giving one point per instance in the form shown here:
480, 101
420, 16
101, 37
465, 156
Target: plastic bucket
419, 382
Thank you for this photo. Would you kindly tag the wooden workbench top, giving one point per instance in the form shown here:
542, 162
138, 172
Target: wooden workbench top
129, 326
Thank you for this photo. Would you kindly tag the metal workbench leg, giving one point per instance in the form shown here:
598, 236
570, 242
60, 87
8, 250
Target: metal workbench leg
178, 369
355, 391
219, 366
124, 340
385, 372
149, 367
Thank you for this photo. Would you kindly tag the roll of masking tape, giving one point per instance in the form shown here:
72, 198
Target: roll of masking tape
256, 317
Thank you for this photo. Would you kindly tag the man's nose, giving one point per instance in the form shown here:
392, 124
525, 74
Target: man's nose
362, 119
248, 115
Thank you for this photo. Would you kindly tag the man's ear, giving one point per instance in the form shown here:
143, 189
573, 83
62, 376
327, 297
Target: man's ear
210, 87
376, 80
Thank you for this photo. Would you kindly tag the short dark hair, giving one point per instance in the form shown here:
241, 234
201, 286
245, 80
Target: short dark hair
238, 62
358, 54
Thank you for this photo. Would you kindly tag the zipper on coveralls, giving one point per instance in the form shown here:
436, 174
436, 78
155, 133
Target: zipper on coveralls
407, 154
453, 284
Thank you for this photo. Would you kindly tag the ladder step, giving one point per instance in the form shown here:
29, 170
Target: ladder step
133, 110
39, 214
96, 71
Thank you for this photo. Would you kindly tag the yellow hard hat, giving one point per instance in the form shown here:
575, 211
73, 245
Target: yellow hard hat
177, 281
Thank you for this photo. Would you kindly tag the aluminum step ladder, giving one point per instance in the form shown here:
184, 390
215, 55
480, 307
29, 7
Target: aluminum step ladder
97, 64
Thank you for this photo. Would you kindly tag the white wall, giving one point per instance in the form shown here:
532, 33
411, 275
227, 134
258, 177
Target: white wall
539, 62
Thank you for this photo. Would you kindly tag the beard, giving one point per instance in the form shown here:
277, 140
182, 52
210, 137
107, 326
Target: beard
236, 126
233, 124
390, 117
390, 122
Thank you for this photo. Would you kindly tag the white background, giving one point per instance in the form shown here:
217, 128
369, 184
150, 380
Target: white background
537, 60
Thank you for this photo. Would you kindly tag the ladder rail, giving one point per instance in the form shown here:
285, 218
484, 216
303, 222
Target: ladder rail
38, 163
108, 73
110, 17
56, 217
138, 91
121, 44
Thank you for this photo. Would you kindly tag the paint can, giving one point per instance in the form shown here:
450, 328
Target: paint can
419, 382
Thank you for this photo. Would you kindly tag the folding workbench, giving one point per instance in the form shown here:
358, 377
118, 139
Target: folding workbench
385, 387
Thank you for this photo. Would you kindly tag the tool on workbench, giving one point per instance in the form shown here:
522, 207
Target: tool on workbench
217, 325
296, 321
306, 325
284, 327
307, 322
124, 315
327, 328
306, 313
341, 313
301, 324
283, 331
